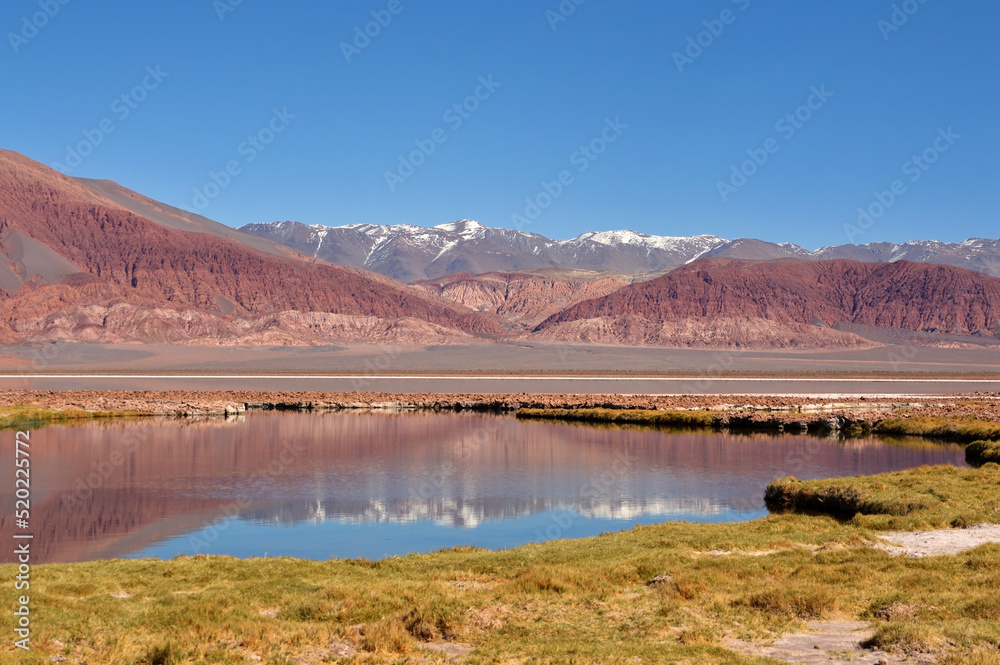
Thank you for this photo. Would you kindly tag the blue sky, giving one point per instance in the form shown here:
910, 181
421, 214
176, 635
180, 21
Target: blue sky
202, 76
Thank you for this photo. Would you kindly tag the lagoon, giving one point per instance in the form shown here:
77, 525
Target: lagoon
378, 484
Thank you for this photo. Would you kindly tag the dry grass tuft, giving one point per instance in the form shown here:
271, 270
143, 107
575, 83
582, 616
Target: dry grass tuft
796, 603
388, 636
974, 657
902, 636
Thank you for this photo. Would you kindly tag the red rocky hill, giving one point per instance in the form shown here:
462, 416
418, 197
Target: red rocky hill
76, 263
785, 303
523, 300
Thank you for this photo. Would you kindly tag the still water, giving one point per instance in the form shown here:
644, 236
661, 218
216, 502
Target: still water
377, 484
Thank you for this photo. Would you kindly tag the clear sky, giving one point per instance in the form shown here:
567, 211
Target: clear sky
199, 77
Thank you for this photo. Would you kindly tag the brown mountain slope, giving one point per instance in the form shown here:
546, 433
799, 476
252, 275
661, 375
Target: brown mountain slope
69, 247
523, 299
181, 220
785, 304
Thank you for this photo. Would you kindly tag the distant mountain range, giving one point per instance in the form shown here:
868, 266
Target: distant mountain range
413, 253
91, 261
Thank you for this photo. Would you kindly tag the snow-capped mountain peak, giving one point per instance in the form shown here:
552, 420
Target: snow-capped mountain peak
626, 237
463, 227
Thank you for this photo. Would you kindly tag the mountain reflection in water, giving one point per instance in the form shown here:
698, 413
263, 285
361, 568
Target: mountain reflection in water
104, 490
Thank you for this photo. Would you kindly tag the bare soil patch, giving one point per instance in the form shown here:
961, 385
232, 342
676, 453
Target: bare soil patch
919, 544
828, 642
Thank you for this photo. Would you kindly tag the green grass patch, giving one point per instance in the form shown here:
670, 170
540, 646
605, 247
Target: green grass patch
983, 452
964, 430
28, 417
682, 419
927, 497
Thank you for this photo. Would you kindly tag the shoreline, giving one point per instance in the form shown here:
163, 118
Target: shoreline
984, 375
961, 418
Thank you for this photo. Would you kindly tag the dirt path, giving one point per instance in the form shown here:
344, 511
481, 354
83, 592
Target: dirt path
936, 543
828, 642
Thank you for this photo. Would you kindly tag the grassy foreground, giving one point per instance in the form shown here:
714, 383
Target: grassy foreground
669, 593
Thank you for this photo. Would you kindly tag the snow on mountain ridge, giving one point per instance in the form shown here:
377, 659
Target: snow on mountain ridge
666, 243
463, 227
411, 253
469, 229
